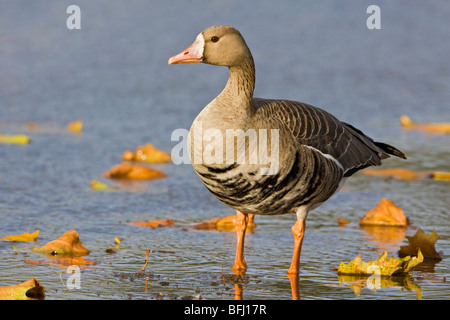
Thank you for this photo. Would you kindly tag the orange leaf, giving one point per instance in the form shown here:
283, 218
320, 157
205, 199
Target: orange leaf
154, 223
127, 170
226, 223
68, 244
79, 261
75, 127
424, 242
147, 153
385, 213
397, 173
428, 127
23, 237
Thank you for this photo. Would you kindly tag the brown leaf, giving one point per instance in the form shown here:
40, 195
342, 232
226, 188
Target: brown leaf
28, 290
147, 153
385, 213
68, 244
154, 223
426, 244
127, 170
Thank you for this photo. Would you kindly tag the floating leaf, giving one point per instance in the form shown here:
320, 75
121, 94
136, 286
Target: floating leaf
75, 127
68, 244
226, 223
422, 242
398, 173
408, 124
23, 237
445, 176
383, 266
154, 223
28, 290
14, 139
97, 185
385, 213
147, 153
127, 170
68, 261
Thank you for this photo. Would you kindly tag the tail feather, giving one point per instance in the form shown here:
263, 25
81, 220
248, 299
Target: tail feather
390, 150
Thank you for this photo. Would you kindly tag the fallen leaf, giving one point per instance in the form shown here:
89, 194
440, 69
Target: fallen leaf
75, 127
445, 176
28, 290
342, 222
117, 242
383, 266
14, 139
97, 185
68, 244
422, 242
147, 153
398, 173
23, 237
79, 261
385, 213
154, 223
408, 124
226, 223
127, 170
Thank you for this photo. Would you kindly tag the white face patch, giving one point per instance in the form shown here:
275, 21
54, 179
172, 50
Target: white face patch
199, 45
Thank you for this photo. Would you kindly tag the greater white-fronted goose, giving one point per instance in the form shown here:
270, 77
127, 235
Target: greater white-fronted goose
315, 151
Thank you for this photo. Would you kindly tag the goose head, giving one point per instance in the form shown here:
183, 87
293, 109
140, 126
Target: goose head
217, 45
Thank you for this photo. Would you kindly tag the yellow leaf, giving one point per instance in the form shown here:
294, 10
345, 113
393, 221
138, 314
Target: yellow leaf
28, 290
14, 139
383, 266
97, 185
75, 127
23, 237
445, 176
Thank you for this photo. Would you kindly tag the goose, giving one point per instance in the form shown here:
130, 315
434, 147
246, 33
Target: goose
315, 152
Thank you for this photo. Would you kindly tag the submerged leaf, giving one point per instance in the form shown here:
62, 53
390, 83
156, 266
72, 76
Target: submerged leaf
154, 223
226, 223
127, 170
385, 213
68, 244
147, 153
68, 261
30, 289
423, 243
23, 237
383, 266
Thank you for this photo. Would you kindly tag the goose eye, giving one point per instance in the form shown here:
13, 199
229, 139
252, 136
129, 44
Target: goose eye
214, 39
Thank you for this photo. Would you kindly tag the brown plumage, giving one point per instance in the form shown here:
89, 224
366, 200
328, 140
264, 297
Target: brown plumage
317, 152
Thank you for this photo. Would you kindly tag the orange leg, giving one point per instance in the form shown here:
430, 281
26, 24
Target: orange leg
241, 226
297, 230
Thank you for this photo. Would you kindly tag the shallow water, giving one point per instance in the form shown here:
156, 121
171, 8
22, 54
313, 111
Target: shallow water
113, 74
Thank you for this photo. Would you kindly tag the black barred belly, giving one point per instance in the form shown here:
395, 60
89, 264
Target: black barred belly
309, 179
